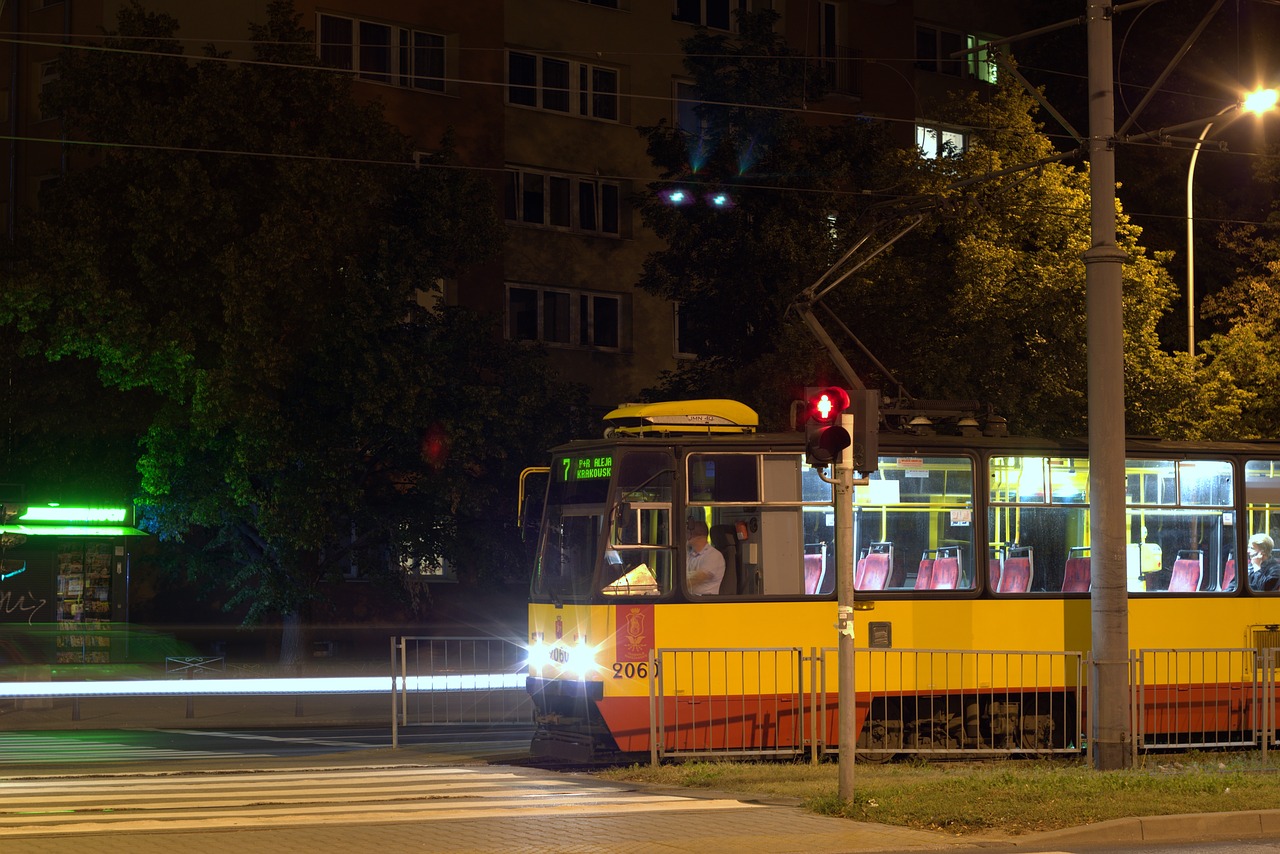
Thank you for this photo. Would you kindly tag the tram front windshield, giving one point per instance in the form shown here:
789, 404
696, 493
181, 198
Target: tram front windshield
606, 528
573, 525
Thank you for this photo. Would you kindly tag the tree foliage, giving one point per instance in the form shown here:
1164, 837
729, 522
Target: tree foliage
255, 246
793, 187
984, 299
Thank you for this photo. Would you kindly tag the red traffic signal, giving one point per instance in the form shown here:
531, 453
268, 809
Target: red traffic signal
824, 437
826, 405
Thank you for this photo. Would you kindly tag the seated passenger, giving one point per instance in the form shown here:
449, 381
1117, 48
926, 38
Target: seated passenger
704, 564
1264, 569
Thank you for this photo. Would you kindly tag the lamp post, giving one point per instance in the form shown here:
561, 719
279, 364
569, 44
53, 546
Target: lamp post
1256, 102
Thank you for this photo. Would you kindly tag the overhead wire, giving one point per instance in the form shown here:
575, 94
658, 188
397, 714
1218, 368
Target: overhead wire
56, 41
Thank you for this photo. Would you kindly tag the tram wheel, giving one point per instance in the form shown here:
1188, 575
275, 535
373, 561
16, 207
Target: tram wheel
878, 744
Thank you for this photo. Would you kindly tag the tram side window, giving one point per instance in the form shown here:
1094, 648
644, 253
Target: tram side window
1179, 513
1181, 524
766, 515
1262, 509
919, 512
638, 559
639, 555
1037, 519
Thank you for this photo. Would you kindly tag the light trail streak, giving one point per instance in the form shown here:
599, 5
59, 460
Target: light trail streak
265, 685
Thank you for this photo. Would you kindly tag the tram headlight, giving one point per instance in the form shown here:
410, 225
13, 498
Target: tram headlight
538, 656
581, 659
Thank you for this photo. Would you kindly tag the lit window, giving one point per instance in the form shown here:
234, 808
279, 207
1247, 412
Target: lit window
937, 49
935, 142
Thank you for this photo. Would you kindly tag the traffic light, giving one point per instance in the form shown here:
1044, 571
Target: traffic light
824, 438
866, 430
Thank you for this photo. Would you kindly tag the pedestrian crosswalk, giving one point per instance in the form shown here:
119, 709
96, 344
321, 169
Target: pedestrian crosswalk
277, 798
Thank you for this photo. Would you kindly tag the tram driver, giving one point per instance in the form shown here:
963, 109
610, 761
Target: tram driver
1264, 569
704, 564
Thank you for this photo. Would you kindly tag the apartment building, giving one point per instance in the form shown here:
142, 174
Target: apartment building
545, 97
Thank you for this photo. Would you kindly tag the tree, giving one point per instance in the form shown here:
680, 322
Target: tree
797, 193
983, 300
251, 244
1247, 310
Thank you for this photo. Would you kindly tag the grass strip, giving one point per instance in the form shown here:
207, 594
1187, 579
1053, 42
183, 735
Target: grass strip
1011, 797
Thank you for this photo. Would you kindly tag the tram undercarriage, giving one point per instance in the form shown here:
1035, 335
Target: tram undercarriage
1030, 723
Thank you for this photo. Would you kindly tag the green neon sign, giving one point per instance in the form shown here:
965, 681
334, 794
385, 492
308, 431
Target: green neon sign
74, 514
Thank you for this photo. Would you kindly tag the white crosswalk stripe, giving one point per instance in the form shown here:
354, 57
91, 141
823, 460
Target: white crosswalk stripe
132, 802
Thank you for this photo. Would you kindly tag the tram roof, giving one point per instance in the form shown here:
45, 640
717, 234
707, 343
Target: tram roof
698, 417
925, 445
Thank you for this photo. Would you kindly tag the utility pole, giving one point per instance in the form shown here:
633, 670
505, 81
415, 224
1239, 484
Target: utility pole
848, 725
1109, 680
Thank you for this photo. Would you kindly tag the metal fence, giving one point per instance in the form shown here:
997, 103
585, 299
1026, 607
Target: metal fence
945, 702
458, 680
1192, 698
727, 702
937, 702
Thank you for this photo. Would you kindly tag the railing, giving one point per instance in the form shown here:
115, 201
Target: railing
944, 702
1191, 698
730, 702
458, 680
839, 66
726, 702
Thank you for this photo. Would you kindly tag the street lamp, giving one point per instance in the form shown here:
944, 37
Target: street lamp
1256, 102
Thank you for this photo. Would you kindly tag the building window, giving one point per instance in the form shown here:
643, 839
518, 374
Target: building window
936, 49
418, 568
569, 202
568, 317
383, 53
684, 337
46, 73
563, 86
714, 14
686, 109
935, 142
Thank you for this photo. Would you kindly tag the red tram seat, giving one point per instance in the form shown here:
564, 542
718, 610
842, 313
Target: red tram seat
1187, 569
1078, 574
814, 569
1229, 573
994, 566
946, 570
924, 575
873, 571
1017, 572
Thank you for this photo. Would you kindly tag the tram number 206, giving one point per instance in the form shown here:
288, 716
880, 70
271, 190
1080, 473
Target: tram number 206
633, 670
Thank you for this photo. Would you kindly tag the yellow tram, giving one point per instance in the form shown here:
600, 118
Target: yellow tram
969, 549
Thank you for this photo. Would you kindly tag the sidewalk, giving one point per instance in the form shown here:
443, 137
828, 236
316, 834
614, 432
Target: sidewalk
781, 825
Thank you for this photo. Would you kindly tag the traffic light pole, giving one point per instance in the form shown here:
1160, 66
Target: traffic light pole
848, 725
